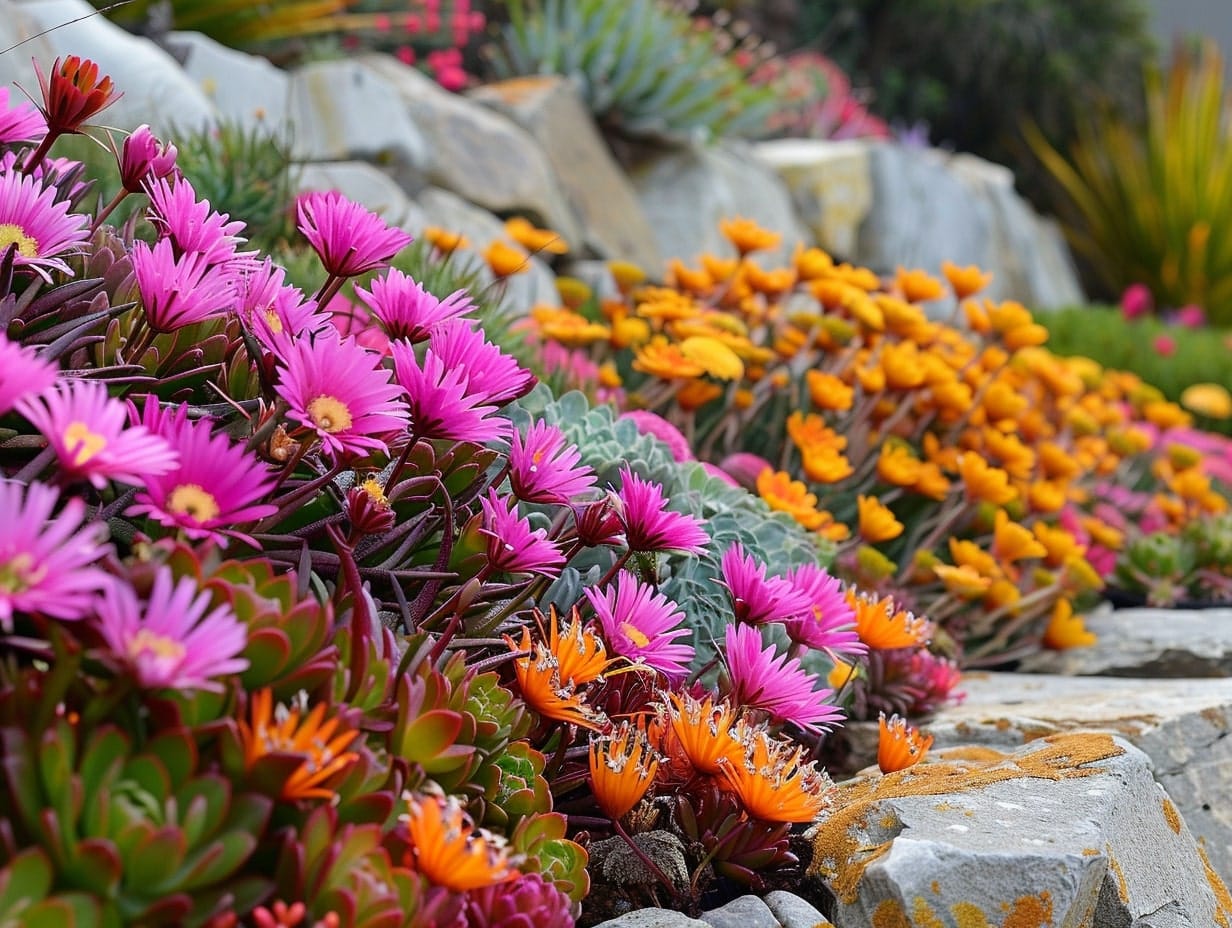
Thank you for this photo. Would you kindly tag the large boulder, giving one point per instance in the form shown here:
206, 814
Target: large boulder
1069, 830
1181, 725
244, 88
883, 205
477, 153
685, 192
611, 217
155, 89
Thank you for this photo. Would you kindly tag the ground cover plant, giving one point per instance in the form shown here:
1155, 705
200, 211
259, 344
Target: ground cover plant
315, 610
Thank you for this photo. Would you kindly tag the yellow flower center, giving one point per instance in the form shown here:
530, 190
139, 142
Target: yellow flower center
272, 320
83, 445
189, 499
375, 491
634, 634
19, 574
330, 414
10, 234
146, 642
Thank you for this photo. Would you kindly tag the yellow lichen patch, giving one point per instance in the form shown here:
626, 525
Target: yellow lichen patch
1223, 899
1090, 852
1115, 866
935, 886
838, 856
889, 914
969, 915
1030, 911
922, 914
975, 752
1172, 816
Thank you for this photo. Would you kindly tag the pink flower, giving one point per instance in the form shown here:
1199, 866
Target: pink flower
776, 684
491, 374
1136, 301
828, 624
934, 678
406, 310
19, 122
640, 624
216, 486
649, 525
756, 598
192, 225
144, 156
22, 373
598, 523
174, 640
745, 468
45, 561
1164, 345
544, 468
513, 546
274, 311
349, 239
40, 230
179, 292
441, 400
648, 423
339, 390
92, 437
1191, 316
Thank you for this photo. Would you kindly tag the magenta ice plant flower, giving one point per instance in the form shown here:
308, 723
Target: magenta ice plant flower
441, 400
216, 486
22, 373
179, 291
405, 309
192, 225
513, 546
641, 624
273, 310
173, 640
828, 624
492, 375
649, 423
20, 121
760, 678
545, 468
91, 435
46, 560
340, 390
41, 229
349, 239
756, 598
650, 525
144, 156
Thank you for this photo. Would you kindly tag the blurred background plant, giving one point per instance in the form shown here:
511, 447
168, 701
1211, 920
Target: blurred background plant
433, 35
1167, 569
1151, 206
815, 99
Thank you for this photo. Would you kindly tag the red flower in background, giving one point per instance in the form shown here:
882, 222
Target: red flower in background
73, 93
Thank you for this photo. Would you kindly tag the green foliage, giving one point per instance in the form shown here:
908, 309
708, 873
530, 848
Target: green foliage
1195, 566
972, 69
642, 66
1153, 207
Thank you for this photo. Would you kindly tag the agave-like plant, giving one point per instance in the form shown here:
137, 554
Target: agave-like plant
1150, 205
642, 65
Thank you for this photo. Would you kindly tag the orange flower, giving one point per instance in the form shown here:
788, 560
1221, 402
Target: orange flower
703, 729
828, 392
664, 359
1079, 575
445, 241
1013, 542
769, 283
902, 366
720, 269
686, 278
783, 494
505, 260
1166, 415
580, 654
1058, 544
963, 581
694, 394
1002, 402
775, 784
1015, 457
1102, 533
666, 305
747, 235
965, 281
626, 275
983, 482
883, 628
538, 675
1056, 462
825, 466
713, 357
568, 327
622, 769
534, 239
861, 277
1001, 594
1066, 630
1046, 495
900, 745
810, 433
1025, 336
877, 521
574, 293
320, 747
969, 554
811, 263
918, 286
931, 483
897, 465
448, 850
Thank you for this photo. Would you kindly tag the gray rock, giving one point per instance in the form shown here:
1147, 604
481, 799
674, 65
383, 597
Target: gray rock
794, 912
619, 865
1182, 725
346, 110
1063, 831
156, 90
365, 184
652, 918
553, 112
244, 88
686, 191
1148, 643
478, 153
745, 912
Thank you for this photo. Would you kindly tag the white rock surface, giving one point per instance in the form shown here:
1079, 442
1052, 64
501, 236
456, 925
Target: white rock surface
244, 88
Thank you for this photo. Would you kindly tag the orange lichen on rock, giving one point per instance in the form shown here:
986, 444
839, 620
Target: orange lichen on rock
1223, 899
889, 914
840, 860
1115, 866
1172, 816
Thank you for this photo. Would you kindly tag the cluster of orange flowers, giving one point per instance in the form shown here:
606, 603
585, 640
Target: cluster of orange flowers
950, 461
